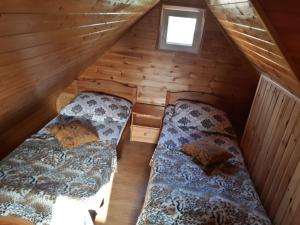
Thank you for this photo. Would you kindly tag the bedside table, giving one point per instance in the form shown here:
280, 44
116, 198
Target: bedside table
146, 123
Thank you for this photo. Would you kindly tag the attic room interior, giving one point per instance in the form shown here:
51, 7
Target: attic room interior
149, 112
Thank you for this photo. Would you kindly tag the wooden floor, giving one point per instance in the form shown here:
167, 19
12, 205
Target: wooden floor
130, 184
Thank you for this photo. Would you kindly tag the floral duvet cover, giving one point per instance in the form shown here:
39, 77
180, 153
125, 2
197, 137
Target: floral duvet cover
181, 192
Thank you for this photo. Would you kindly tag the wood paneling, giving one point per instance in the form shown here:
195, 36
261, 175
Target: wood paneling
247, 25
271, 147
224, 104
217, 69
146, 123
101, 86
284, 16
41, 114
45, 44
108, 87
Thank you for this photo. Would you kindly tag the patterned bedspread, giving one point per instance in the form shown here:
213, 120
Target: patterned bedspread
41, 180
40, 170
181, 192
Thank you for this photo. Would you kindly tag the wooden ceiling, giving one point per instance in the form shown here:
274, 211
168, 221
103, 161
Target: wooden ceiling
44, 45
284, 17
271, 49
218, 69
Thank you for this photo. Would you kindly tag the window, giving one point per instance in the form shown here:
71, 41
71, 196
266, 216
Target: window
181, 28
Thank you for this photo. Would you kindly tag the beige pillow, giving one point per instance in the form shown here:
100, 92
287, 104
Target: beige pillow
207, 154
73, 134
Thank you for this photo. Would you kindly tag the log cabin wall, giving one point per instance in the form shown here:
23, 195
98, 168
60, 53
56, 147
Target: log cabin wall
266, 31
271, 147
43, 47
217, 69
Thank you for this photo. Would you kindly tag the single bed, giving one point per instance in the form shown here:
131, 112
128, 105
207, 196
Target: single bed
46, 182
180, 191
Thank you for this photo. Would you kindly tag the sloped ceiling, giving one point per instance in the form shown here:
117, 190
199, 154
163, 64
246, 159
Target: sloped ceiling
44, 44
284, 17
219, 68
266, 34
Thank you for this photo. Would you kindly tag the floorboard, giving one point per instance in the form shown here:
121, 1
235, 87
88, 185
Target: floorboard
130, 183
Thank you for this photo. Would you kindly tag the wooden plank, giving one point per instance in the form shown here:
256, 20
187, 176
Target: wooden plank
145, 109
246, 24
284, 19
260, 126
283, 78
144, 134
277, 169
291, 214
44, 45
216, 101
280, 115
258, 100
271, 149
109, 87
217, 70
294, 156
284, 204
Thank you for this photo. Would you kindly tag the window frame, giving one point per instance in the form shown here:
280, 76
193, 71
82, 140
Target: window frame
186, 12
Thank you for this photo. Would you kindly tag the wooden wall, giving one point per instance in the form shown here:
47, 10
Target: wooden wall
271, 147
246, 23
218, 69
43, 47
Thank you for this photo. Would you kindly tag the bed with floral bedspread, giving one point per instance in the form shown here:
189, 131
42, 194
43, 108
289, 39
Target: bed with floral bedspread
42, 178
181, 192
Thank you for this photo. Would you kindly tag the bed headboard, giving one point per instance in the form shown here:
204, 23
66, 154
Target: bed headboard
101, 86
108, 87
210, 99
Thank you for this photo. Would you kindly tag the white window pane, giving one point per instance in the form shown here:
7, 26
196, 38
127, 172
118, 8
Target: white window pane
181, 30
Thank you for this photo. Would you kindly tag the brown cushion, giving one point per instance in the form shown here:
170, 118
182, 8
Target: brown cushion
207, 154
73, 134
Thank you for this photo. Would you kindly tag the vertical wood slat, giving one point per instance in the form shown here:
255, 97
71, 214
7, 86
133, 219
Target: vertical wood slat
258, 99
284, 207
281, 159
279, 117
271, 147
258, 125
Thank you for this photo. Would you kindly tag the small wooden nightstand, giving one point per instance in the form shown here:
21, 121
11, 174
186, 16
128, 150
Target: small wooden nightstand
146, 123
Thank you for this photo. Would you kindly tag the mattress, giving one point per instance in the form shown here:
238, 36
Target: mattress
46, 183
181, 192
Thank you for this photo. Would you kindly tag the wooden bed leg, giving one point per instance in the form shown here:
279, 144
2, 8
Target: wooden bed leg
123, 139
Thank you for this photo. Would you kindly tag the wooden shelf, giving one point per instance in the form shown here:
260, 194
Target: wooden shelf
146, 123
150, 110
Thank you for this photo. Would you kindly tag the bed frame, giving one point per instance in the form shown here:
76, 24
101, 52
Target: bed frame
102, 86
108, 87
99, 86
209, 99
115, 89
